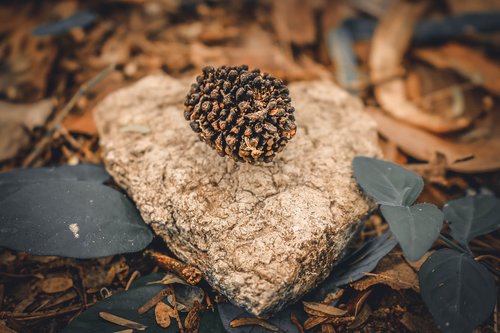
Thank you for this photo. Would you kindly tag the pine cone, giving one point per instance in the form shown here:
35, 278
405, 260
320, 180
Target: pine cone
240, 113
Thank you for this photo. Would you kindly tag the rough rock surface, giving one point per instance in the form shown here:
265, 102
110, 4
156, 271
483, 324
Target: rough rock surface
262, 235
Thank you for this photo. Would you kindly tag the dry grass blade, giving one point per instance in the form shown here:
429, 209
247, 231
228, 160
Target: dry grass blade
323, 308
122, 321
253, 321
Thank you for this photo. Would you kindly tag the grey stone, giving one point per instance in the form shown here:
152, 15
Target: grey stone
262, 235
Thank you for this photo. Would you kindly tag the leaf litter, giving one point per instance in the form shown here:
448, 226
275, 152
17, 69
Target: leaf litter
140, 37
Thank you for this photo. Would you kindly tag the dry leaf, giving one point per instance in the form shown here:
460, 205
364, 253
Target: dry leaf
480, 155
324, 309
253, 321
163, 312
390, 42
56, 284
361, 317
313, 322
466, 61
14, 119
393, 271
122, 321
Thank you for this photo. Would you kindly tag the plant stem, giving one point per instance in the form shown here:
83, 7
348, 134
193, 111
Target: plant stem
453, 245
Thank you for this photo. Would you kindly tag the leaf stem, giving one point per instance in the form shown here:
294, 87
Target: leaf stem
461, 249
453, 245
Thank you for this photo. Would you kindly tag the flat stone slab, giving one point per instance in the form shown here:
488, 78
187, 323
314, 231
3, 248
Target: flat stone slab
262, 235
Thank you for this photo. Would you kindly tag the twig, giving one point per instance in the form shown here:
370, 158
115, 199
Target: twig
153, 301
56, 123
177, 317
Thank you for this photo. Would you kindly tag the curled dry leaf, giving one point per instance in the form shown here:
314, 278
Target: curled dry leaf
56, 284
389, 45
466, 61
479, 155
393, 271
163, 312
122, 321
326, 310
253, 321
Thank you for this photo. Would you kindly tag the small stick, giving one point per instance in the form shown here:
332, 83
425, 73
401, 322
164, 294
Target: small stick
132, 278
153, 301
190, 274
177, 317
84, 88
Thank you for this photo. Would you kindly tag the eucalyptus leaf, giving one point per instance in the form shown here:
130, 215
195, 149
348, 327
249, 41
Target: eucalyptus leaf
416, 227
123, 304
354, 266
387, 183
473, 216
67, 211
229, 312
459, 292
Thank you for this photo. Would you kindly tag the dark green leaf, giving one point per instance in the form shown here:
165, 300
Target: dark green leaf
415, 227
470, 217
123, 304
459, 292
354, 266
68, 212
229, 312
387, 183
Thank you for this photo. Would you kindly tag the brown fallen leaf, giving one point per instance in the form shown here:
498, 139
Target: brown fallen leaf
313, 322
361, 317
479, 155
294, 21
324, 309
393, 271
253, 321
56, 284
466, 61
163, 312
122, 321
390, 42
14, 119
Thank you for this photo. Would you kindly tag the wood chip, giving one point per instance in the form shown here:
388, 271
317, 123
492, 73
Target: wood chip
122, 321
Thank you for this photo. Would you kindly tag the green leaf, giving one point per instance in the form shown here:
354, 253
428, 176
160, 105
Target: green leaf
459, 292
470, 217
388, 183
415, 227
67, 211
